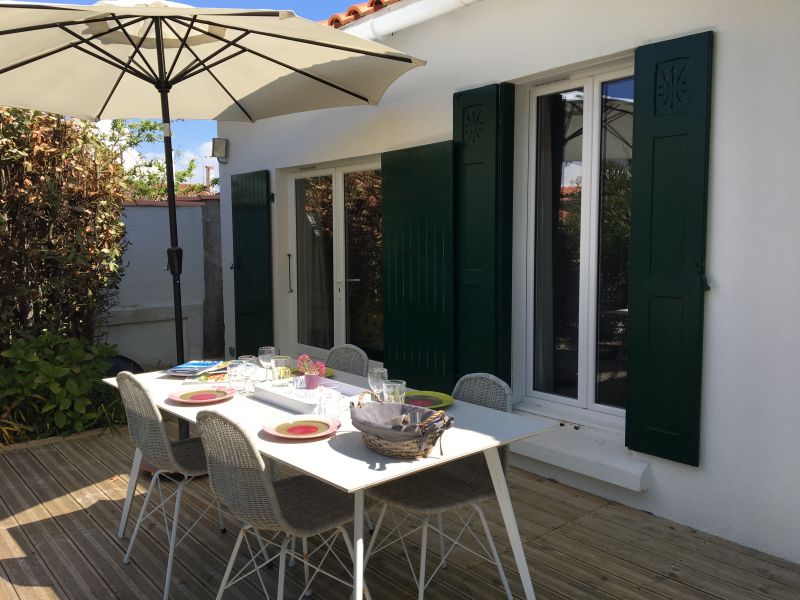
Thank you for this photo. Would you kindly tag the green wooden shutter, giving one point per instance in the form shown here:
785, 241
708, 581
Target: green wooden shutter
417, 207
483, 132
252, 261
668, 225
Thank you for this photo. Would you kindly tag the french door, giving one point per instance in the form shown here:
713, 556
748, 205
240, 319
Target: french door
337, 259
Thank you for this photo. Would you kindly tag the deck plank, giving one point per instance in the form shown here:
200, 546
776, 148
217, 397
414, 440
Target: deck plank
78, 577
692, 562
61, 504
22, 568
94, 544
745, 559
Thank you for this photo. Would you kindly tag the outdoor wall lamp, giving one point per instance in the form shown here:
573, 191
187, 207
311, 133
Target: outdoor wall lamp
219, 149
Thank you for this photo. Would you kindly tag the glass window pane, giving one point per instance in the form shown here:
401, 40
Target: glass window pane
314, 218
558, 234
363, 261
616, 151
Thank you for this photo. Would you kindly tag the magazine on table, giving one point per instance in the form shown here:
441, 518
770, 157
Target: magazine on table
195, 368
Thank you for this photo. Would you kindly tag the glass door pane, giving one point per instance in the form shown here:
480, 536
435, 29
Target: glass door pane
363, 261
616, 152
314, 230
559, 134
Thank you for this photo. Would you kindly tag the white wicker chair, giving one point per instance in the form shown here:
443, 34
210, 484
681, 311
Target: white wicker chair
456, 487
348, 358
296, 506
185, 458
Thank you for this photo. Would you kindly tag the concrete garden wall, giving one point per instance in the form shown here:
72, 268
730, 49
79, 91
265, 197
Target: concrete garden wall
141, 324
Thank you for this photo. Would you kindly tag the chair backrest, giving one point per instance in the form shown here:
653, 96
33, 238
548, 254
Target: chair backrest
145, 424
486, 390
348, 358
237, 472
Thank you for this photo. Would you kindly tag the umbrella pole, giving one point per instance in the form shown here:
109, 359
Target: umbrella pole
174, 252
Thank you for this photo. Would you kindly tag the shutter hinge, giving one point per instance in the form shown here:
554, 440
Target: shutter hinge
701, 272
272, 197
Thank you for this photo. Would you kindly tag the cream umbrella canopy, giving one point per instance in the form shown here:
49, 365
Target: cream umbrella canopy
156, 59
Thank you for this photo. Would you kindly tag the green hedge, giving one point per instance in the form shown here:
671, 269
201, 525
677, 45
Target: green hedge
50, 385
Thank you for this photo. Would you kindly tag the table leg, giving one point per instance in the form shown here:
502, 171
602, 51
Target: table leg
358, 546
504, 501
132, 481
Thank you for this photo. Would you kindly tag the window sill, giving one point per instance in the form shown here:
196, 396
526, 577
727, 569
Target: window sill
591, 452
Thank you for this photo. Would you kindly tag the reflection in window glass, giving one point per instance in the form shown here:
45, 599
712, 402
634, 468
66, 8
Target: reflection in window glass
314, 222
364, 261
558, 233
616, 151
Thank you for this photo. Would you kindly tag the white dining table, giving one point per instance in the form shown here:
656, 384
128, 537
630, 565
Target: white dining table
345, 462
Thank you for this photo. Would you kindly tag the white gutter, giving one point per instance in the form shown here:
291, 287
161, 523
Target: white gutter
397, 17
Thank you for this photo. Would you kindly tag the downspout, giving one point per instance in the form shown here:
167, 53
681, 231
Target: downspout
397, 17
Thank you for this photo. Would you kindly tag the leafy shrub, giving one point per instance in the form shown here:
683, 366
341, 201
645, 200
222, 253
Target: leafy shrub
50, 385
61, 234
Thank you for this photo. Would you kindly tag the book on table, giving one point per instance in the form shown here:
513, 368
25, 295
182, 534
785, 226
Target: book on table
193, 368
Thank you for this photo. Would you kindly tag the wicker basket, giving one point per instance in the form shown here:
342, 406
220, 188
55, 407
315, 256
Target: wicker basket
378, 425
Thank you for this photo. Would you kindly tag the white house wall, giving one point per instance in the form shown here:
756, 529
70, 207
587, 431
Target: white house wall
748, 484
142, 322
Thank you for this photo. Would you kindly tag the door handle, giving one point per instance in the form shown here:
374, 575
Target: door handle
290, 273
353, 280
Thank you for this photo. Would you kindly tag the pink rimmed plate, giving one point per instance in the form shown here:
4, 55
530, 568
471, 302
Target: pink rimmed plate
304, 427
210, 395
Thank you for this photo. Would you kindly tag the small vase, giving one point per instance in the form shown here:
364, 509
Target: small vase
312, 382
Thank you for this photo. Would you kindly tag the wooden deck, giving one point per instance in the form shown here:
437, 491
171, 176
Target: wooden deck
60, 504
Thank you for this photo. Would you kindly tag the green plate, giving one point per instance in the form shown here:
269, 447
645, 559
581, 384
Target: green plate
427, 399
328, 372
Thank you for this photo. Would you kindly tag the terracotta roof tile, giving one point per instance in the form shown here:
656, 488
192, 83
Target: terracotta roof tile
356, 11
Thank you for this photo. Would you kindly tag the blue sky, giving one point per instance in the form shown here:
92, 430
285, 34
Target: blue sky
192, 138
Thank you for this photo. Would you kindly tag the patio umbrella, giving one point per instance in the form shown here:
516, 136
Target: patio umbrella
155, 59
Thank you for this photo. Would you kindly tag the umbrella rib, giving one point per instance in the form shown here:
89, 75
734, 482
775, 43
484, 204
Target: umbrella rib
187, 71
113, 59
70, 46
41, 7
180, 49
115, 65
210, 72
51, 25
122, 73
288, 66
290, 38
136, 48
203, 68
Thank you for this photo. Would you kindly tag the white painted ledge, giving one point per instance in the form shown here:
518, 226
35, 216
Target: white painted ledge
591, 452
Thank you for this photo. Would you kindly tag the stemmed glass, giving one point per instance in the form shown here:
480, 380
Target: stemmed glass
375, 377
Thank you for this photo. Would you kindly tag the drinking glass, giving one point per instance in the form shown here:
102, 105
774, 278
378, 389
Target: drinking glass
236, 375
265, 356
328, 405
280, 368
394, 390
375, 378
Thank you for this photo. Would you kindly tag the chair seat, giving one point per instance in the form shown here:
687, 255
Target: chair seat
190, 457
437, 490
311, 506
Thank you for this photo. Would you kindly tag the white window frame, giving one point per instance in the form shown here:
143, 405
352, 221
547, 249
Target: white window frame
337, 173
584, 409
